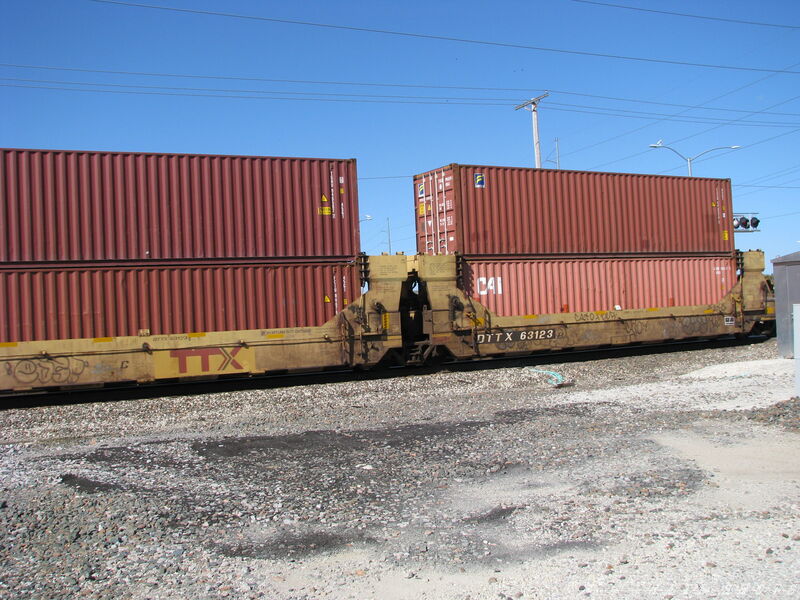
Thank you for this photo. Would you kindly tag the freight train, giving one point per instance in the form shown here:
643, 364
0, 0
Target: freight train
132, 268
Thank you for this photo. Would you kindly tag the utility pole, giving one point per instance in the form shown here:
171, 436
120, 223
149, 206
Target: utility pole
531, 106
389, 234
558, 156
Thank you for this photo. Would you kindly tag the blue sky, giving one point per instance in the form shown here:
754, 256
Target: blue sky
404, 104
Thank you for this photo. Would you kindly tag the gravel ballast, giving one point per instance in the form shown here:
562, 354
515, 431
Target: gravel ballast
665, 475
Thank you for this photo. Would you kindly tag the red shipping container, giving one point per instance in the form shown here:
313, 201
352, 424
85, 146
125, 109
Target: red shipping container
58, 302
478, 210
87, 206
552, 285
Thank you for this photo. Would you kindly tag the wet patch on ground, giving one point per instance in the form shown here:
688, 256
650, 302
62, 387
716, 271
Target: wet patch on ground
499, 513
87, 485
294, 545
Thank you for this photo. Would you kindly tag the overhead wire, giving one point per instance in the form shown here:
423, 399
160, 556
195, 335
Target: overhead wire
384, 84
439, 37
688, 15
641, 152
375, 98
355, 98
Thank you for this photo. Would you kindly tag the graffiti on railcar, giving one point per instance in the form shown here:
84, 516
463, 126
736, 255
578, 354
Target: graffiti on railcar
47, 371
600, 315
633, 328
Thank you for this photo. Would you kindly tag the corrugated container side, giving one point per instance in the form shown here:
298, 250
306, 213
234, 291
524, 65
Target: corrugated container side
87, 206
80, 302
484, 210
547, 286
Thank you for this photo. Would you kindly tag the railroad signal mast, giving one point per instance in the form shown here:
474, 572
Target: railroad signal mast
746, 222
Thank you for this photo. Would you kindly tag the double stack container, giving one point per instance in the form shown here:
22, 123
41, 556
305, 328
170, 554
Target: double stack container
538, 241
97, 244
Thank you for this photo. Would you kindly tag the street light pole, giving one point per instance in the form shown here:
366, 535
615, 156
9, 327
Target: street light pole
689, 159
531, 106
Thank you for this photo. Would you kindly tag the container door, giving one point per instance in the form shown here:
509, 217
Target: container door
436, 232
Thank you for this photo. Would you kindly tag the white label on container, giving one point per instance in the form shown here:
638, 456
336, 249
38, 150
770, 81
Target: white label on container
489, 285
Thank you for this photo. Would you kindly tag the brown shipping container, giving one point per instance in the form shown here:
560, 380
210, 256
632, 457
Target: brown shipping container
479, 210
87, 206
91, 302
547, 285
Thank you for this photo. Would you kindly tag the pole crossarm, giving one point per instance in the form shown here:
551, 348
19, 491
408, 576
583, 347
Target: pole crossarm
530, 106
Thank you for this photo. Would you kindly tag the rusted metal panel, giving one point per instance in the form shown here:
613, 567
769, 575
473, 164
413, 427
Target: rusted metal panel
547, 285
66, 302
85, 206
484, 210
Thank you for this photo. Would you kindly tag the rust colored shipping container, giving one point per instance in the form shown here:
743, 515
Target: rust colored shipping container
547, 285
87, 206
479, 210
90, 302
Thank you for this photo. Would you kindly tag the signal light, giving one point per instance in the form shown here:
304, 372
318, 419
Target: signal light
746, 223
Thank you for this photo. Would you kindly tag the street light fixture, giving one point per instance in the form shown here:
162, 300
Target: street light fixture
660, 144
365, 218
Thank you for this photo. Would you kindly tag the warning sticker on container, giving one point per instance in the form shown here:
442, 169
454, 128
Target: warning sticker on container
480, 180
325, 210
422, 209
420, 190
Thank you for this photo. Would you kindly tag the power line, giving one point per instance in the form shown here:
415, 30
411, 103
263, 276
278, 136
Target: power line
783, 215
677, 14
363, 98
728, 93
770, 187
245, 97
441, 37
526, 91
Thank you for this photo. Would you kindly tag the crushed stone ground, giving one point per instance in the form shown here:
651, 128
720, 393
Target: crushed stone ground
664, 475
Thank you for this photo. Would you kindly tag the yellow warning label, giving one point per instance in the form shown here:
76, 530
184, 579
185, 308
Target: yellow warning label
725, 234
275, 336
8, 344
325, 198
385, 321
102, 339
341, 190
422, 209
346, 302
197, 334
770, 311
325, 210
327, 299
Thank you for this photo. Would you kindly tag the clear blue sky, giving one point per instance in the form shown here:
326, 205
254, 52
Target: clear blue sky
604, 111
